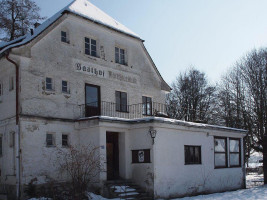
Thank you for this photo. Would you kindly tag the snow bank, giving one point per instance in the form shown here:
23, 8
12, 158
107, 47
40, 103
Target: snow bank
259, 193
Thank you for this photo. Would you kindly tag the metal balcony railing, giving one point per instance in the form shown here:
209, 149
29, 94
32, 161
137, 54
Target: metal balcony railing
133, 111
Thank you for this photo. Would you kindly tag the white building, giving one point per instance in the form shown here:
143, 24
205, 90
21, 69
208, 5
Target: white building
81, 77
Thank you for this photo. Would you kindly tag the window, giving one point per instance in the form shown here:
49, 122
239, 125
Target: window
147, 105
220, 152
1, 88
64, 37
65, 87
65, 141
235, 152
50, 140
192, 154
121, 101
11, 83
120, 56
141, 156
1, 145
48, 83
90, 47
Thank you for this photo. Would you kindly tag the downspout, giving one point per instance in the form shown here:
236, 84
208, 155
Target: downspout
17, 129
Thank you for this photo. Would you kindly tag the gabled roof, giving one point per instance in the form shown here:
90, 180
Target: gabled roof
81, 8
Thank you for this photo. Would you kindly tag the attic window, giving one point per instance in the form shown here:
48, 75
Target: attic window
90, 47
120, 56
64, 37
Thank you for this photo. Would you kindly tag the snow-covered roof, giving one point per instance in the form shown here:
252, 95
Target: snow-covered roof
81, 8
166, 120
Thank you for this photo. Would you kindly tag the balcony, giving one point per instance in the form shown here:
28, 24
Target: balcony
134, 111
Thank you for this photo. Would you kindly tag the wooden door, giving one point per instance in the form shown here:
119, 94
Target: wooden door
112, 147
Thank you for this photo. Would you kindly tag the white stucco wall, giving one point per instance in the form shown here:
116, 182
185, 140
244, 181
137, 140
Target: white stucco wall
173, 178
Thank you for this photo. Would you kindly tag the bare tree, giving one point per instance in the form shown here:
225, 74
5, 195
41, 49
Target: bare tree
17, 17
192, 97
81, 165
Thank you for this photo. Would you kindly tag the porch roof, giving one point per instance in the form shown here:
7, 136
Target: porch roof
164, 120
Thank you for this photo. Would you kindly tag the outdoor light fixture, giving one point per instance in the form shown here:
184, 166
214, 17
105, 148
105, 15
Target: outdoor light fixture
152, 133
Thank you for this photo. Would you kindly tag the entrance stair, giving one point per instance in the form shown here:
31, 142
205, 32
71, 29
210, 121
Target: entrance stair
126, 189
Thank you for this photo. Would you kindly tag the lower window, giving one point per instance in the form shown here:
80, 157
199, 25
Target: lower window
192, 154
141, 156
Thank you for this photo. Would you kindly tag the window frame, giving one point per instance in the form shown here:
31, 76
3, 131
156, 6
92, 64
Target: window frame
119, 59
194, 160
90, 45
67, 87
226, 152
145, 107
1, 145
52, 139
119, 106
63, 145
1, 88
11, 83
52, 84
147, 156
64, 39
239, 153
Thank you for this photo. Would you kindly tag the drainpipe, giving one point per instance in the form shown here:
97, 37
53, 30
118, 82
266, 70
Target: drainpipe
17, 129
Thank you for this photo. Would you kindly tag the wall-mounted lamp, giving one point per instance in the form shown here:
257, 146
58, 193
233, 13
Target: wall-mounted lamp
152, 133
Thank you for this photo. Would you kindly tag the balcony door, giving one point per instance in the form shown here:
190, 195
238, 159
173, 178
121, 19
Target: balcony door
92, 100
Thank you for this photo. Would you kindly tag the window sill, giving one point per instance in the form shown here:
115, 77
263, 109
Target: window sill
221, 167
50, 146
235, 166
122, 64
193, 164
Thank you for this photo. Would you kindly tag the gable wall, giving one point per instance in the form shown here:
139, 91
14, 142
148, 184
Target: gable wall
52, 58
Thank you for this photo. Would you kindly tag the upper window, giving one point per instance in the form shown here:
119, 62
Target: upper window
220, 152
64, 37
1, 146
120, 56
1, 88
65, 87
235, 157
90, 47
49, 83
50, 139
121, 101
65, 141
192, 154
11, 83
147, 105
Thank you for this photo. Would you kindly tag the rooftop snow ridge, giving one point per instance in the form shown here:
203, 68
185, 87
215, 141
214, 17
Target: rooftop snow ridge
81, 8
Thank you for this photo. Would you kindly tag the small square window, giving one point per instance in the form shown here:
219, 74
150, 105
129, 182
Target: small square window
11, 83
64, 37
48, 83
120, 56
192, 154
141, 156
65, 87
65, 141
50, 140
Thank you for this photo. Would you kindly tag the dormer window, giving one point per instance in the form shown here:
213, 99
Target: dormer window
64, 37
120, 56
90, 46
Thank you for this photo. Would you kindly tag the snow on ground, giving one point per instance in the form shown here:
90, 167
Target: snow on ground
257, 193
254, 179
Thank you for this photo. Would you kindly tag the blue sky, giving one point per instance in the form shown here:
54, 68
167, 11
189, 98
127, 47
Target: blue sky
208, 34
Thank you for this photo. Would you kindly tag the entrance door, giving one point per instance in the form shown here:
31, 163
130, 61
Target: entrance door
92, 100
112, 155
